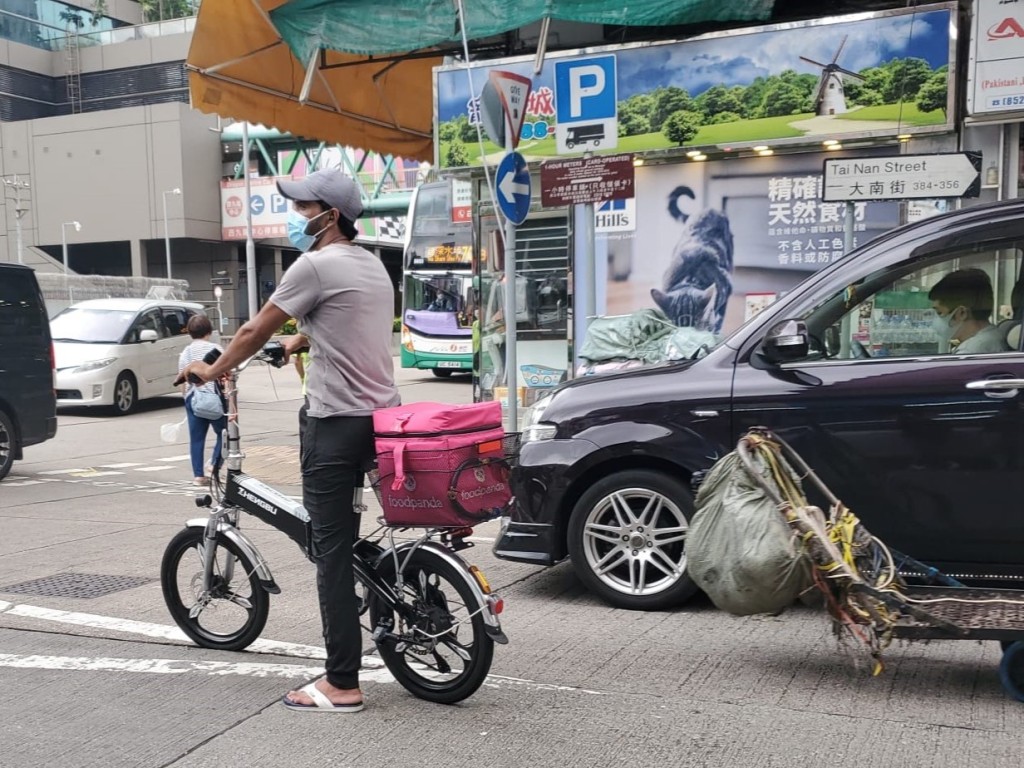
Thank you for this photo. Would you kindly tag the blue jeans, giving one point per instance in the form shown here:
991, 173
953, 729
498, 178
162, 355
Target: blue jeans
197, 428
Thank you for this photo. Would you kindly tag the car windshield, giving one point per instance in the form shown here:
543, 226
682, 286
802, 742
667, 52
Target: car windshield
92, 326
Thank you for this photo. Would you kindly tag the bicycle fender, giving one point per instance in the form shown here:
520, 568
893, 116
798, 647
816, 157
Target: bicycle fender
483, 603
248, 549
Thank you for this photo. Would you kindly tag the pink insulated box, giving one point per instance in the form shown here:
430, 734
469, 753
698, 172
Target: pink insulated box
441, 465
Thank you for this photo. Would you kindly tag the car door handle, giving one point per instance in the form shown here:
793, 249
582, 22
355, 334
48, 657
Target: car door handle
1000, 388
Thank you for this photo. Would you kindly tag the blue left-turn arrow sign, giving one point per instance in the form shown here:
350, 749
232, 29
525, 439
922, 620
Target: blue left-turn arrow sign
514, 187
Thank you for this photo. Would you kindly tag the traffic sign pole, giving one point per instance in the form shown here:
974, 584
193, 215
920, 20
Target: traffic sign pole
511, 313
589, 278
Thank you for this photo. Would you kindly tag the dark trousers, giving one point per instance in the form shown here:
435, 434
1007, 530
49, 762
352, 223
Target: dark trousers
335, 452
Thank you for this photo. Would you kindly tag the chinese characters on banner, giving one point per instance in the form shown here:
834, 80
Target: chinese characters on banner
806, 230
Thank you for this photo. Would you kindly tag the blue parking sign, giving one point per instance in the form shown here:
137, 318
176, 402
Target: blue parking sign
586, 104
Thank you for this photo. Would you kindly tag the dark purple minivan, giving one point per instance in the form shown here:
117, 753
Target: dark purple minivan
914, 426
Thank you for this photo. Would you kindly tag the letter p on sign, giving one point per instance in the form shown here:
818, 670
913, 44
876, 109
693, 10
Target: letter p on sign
583, 82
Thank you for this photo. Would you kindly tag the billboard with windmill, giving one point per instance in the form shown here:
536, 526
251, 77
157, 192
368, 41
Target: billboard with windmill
880, 74
830, 98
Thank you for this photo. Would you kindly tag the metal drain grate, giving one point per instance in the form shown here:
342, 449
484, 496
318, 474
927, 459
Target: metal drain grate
80, 585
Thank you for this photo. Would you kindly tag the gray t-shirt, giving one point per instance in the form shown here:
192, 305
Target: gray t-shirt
342, 296
988, 339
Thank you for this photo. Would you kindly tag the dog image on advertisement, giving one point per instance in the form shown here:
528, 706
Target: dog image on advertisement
698, 282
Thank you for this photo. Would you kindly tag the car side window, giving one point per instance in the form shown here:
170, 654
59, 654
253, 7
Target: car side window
150, 321
21, 314
175, 321
964, 301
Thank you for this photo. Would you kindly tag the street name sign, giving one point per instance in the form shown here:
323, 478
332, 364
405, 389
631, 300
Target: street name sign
513, 179
586, 180
902, 177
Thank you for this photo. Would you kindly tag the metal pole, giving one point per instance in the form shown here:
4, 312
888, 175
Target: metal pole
511, 371
18, 213
64, 250
589, 277
848, 228
250, 245
18, 185
167, 238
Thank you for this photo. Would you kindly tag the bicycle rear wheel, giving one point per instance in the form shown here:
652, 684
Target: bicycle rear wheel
233, 613
441, 653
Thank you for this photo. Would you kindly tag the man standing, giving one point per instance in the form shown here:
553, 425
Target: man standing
342, 296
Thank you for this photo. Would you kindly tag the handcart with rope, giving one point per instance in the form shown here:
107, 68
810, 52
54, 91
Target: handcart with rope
862, 580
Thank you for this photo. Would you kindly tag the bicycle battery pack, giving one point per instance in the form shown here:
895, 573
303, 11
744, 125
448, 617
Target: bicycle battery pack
270, 506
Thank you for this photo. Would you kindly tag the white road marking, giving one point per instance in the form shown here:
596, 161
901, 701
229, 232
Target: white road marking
372, 668
152, 469
94, 473
159, 666
176, 458
62, 471
159, 631
123, 465
20, 483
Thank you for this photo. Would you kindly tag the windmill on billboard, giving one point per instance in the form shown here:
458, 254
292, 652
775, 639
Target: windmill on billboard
831, 100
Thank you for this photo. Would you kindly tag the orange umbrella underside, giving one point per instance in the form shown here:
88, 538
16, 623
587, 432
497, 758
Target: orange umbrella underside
240, 68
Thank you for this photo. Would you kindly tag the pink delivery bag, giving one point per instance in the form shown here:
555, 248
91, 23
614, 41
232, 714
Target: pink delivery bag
441, 465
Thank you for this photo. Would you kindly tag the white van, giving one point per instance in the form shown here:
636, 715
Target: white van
115, 352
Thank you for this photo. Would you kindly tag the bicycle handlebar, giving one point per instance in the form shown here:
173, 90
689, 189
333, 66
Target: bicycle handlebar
272, 353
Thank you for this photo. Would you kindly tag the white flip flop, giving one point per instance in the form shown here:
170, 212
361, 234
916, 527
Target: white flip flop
320, 702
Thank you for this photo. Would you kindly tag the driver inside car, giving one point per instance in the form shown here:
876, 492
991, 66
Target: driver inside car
963, 302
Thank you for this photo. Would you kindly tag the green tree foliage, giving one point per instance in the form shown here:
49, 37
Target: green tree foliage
718, 99
782, 98
933, 93
635, 115
723, 117
448, 131
906, 76
157, 10
668, 101
457, 156
681, 126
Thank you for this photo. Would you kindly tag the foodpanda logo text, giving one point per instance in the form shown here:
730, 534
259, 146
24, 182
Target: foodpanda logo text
407, 503
483, 491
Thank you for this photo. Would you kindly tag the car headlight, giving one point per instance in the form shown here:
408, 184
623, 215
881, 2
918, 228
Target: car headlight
533, 428
95, 365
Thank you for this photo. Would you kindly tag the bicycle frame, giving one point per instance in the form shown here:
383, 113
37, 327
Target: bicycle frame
241, 492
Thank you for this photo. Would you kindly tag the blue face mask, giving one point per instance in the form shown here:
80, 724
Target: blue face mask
297, 224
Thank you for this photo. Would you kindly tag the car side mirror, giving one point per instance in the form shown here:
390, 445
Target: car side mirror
786, 340
147, 334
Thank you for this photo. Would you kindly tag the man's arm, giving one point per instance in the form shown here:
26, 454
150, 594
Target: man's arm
249, 339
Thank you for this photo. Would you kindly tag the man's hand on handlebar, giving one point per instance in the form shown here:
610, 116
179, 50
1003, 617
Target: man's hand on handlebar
195, 373
294, 344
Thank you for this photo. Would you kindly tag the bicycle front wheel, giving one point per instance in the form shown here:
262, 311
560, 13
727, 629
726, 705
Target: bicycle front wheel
233, 612
440, 650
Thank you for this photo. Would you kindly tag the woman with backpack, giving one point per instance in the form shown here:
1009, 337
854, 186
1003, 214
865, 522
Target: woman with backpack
204, 405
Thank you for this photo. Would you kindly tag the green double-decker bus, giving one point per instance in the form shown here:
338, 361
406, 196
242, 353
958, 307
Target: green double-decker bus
438, 300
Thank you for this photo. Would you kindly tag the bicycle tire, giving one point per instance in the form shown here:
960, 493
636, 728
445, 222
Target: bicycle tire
257, 599
433, 612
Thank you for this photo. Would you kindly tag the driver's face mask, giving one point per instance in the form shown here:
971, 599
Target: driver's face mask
946, 326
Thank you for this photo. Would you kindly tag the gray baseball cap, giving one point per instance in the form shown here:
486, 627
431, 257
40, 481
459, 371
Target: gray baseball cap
330, 186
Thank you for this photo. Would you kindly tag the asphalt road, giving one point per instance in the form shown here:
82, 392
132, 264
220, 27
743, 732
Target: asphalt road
104, 679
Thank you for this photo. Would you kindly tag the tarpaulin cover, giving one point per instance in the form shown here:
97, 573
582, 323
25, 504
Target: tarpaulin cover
248, 59
740, 550
359, 26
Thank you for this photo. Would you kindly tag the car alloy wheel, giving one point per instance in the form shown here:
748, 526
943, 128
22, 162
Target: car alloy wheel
124, 394
627, 540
